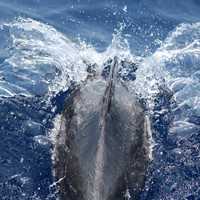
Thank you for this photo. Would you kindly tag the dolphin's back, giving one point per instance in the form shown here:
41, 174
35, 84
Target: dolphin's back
100, 149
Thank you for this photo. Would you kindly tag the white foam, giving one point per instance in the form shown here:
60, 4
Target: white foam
40, 54
180, 54
54, 132
176, 63
42, 140
182, 127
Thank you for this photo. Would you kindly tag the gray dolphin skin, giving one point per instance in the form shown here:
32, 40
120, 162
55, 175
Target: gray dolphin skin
102, 149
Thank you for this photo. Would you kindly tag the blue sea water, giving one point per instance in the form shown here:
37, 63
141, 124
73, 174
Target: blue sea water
44, 47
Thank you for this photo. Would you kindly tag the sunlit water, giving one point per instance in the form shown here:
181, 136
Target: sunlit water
45, 48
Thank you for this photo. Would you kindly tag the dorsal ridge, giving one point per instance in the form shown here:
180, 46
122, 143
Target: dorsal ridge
109, 92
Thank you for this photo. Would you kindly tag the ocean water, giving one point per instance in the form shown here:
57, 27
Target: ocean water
44, 48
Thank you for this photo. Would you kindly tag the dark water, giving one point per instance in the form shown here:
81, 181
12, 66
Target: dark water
44, 46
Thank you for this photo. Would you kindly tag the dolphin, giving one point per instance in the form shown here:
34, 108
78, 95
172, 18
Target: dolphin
102, 146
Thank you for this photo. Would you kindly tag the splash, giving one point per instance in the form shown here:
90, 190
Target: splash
41, 60
180, 55
174, 65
